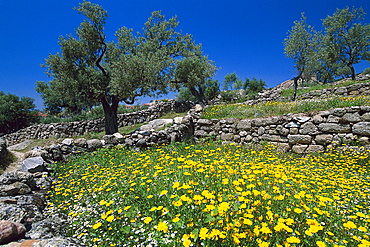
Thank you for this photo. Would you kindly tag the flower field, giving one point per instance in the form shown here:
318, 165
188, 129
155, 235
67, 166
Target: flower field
215, 195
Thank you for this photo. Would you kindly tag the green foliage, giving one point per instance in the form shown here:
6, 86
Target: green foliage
347, 39
232, 81
15, 113
90, 70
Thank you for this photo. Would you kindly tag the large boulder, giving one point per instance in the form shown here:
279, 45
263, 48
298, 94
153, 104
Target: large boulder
11, 231
34, 164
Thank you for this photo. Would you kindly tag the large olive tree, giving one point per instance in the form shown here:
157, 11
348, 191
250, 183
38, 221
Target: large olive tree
90, 70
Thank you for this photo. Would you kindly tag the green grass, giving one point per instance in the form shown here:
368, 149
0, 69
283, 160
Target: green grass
210, 195
279, 108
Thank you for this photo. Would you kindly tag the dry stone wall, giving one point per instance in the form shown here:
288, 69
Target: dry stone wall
299, 133
71, 129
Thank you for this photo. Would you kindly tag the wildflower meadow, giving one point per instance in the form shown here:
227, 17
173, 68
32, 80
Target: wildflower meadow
215, 195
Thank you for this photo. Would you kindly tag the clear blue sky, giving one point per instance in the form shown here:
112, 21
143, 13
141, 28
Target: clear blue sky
241, 36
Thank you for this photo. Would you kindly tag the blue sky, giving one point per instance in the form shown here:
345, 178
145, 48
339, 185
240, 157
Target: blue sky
241, 36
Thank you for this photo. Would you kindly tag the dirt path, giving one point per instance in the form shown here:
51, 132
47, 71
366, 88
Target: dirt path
15, 151
16, 165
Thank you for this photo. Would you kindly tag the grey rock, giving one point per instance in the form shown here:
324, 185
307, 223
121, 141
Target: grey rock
314, 149
324, 139
12, 212
204, 122
68, 141
17, 188
351, 117
80, 142
94, 144
301, 119
299, 139
292, 125
308, 129
34, 164
244, 125
299, 149
261, 131
334, 128
50, 227
227, 136
366, 117
361, 128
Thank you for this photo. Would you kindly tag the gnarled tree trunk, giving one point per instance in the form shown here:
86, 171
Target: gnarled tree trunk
110, 113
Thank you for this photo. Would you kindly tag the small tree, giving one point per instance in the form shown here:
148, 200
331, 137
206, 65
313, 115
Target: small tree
347, 40
91, 70
231, 80
299, 46
254, 86
15, 113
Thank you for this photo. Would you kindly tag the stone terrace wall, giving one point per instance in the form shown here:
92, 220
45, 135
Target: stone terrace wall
355, 89
298, 133
64, 130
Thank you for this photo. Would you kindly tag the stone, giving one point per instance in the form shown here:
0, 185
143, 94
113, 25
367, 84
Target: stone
198, 108
308, 129
80, 142
361, 128
317, 119
351, 118
299, 139
282, 131
34, 153
17, 188
12, 212
301, 119
299, 149
11, 231
292, 125
53, 226
20, 146
244, 125
324, 139
261, 131
366, 117
200, 133
334, 128
274, 138
68, 142
227, 136
282, 147
204, 122
94, 144
314, 149
34, 164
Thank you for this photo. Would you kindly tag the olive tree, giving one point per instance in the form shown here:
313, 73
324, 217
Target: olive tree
90, 70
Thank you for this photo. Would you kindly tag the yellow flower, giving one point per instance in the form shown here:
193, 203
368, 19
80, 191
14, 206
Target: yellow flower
147, 220
177, 219
298, 210
349, 224
293, 240
163, 192
320, 244
203, 233
162, 226
97, 225
110, 218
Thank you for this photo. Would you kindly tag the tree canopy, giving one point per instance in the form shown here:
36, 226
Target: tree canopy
344, 41
15, 112
90, 70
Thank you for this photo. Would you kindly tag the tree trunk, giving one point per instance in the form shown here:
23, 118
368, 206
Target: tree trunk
353, 73
110, 113
295, 84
